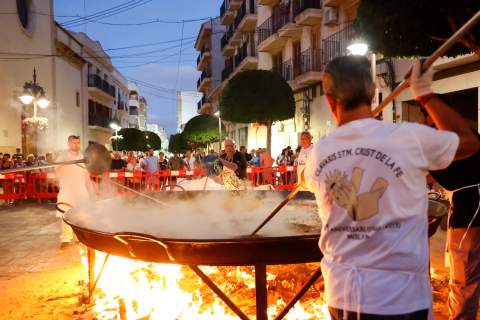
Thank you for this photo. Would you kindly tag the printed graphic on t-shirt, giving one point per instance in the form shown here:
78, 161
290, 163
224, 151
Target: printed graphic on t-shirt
345, 193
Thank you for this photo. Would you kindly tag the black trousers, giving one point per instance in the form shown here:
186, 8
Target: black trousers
417, 315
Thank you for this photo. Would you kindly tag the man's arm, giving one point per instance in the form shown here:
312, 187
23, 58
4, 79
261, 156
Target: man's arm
444, 116
230, 165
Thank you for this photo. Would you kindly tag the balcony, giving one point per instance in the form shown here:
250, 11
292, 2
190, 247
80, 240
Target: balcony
246, 58
270, 3
285, 70
203, 36
203, 58
246, 19
133, 103
233, 5
204, 106
100, 87
204, 81
226, 72
311, 67
99, 115
226, 16
228, 43
336, 44
272, 32
308, 12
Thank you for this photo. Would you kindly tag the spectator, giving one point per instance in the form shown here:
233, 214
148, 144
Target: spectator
189, 160
118, 164
248, 156
151, 165
209, 162
162, 162
175, 163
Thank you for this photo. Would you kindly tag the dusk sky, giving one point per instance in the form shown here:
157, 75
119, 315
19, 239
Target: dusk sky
145, 24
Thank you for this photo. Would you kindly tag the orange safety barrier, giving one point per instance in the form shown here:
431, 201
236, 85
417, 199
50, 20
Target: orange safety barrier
13, 186
45, 186
42, 186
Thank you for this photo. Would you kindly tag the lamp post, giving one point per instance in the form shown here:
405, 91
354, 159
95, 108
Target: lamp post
34, 94
114, 125
219, 131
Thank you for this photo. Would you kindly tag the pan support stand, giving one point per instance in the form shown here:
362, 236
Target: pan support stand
92, 281
260, 292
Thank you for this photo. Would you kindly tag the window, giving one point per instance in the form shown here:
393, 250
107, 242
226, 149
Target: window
242, 137
77, 99
23, 12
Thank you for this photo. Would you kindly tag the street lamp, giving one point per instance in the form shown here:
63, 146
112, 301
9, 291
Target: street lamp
115, 126
33, 92
219, 130
360, 47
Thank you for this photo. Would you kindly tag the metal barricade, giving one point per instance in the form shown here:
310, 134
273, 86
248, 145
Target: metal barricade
13, 186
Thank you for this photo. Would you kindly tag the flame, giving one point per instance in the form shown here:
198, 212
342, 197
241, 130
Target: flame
131, 289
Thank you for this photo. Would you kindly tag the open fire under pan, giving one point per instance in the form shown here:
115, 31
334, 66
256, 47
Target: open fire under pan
256, 251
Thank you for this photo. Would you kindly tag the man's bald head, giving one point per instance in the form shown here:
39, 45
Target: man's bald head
229, 146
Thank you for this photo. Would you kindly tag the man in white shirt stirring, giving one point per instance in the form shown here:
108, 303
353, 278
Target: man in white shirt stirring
75, 186
369, 180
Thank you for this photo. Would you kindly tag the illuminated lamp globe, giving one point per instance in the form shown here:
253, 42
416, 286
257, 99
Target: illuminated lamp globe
358, 48
26, 97
43, 102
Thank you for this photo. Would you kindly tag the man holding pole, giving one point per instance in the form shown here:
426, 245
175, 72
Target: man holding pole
369, 179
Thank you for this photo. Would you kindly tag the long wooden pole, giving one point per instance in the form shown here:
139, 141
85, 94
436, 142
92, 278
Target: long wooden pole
429, 61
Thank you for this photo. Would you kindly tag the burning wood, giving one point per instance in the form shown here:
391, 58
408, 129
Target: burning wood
132, 289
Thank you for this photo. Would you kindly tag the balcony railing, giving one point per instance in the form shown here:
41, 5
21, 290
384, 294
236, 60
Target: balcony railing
201, 103
336, 44
205, 74
226, 72
227, 36
243, 10
99, 115
285, 69
133, 111
202, 52
301, 5
310, 60
279, 18
246, 50
95, 81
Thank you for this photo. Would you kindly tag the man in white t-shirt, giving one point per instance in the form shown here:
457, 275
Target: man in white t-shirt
369, 179
307, 147
75, 186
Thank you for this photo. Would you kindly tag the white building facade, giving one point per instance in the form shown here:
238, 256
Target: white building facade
36, 41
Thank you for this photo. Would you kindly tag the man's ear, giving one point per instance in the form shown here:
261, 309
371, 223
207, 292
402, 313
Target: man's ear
332, 104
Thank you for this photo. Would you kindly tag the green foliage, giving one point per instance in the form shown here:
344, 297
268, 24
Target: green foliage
177, 143
409, 28
136, 140
202, 129
257, 96
152, 140
130, 140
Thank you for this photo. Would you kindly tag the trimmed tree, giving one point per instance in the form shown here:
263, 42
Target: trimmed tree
152, 140
177, 143
406, 28
136, 140
202, 129
257, 96
130, 141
